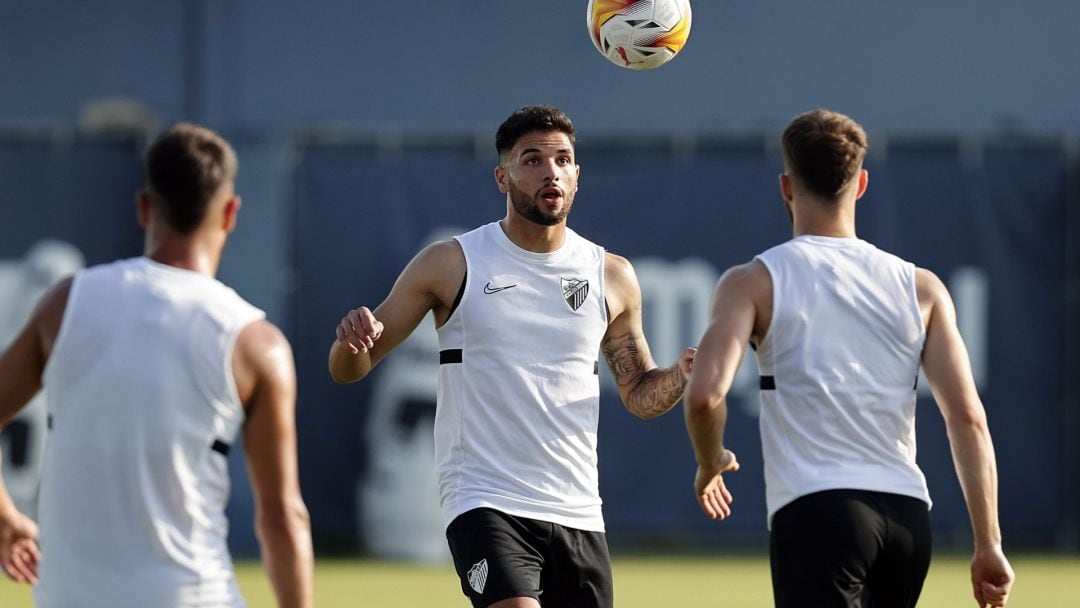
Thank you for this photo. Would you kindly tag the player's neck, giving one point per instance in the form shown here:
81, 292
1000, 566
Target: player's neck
531, 236
186, 252
817, 220
835, 231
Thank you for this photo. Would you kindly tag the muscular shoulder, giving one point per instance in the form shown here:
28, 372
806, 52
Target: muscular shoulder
443, 254
929, 287
752, 276
435, 274
618, 271
260, 337
932, 294
750, 281
620, 284
439, 263
746, 287
262, 359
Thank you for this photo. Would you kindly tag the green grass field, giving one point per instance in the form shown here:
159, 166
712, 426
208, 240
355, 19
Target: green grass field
640, 582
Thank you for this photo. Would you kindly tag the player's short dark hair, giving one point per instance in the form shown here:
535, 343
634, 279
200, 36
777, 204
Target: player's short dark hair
186, 167
824, 150
531, 119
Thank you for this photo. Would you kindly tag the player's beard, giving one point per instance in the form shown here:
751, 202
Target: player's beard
529, 208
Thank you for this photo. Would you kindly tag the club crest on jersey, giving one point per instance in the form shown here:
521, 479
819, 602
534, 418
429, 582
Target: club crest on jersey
478, 575
575, 291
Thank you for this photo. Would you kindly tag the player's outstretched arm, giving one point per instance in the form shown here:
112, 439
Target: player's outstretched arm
646, 390
21, 367
721, 351
430, 282
266, 381
945, 361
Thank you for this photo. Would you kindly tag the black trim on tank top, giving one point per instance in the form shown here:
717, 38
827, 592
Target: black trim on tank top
768, 383
452, 355
220, 447
596, 368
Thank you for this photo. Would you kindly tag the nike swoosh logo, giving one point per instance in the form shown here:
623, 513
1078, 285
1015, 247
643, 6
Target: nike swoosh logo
489, 289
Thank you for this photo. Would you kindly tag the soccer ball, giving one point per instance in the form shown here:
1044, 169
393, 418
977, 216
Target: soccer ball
639, 34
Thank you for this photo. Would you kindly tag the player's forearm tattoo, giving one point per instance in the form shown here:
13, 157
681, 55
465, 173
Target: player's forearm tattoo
652, 392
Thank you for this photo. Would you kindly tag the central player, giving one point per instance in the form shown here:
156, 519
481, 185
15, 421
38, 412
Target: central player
523, 306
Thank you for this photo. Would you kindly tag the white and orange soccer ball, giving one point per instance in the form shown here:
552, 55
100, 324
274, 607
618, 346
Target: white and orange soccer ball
639, 34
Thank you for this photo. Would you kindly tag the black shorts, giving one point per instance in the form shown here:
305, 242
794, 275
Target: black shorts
499, 556
850, 549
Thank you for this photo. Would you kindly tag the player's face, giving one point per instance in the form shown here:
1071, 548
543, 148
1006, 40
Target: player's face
541, 177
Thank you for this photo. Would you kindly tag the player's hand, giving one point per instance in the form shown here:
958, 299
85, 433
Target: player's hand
358, 330
18, 547
686, 361
712, 494
991, 577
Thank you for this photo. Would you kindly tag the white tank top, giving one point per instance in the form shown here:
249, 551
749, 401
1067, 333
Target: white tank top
143, 408
519, 394
839, 364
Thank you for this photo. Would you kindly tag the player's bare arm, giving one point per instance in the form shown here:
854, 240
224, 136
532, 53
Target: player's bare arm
740, 313
266, 382
948, 369
647, 390
430, 282
23, 363
21, 367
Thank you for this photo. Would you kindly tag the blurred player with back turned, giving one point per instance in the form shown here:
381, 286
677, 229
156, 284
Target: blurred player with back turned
523, 307
839, 329
152, 368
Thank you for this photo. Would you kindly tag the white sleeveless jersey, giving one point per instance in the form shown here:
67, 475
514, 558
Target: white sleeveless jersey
839, 364
143, 408
519, 394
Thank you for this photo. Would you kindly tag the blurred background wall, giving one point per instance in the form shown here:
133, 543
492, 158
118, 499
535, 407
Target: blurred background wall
365, 130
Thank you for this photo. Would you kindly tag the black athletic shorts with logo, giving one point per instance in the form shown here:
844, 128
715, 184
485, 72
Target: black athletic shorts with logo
850, 549
499, 556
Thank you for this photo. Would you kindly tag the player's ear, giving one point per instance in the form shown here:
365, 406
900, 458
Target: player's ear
142, 208
500, 179
232, 208
785, 187
864, 180
577, 178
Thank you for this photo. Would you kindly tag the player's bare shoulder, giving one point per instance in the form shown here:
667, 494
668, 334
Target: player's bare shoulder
431, 280
932, 294
262, 358
748, 284
617, 268
440, 268
438, 260
620, 284
751, 275
751, 280
928, 285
